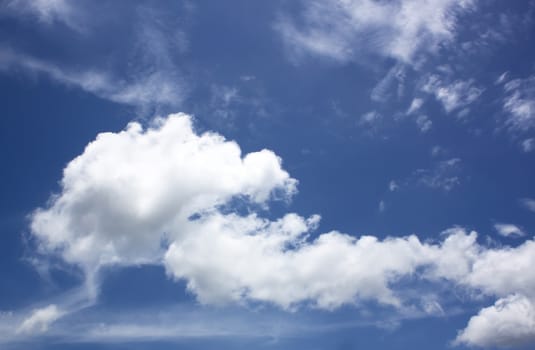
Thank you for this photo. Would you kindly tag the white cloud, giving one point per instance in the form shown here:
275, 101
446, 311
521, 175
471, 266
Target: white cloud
160, 88
504, 271
443, 175
437, 151
415, 106
231, 258
510, 322
47, 11
163, 195
493, 30
502, 78
128, 191
222, 103
528, 203
508, 230
342, 30
153, 196
229, 105
454, 95
176, 322
393, 83
143, 74
528, 145
424, 123
393, 186
519, 104
382, 206
370, 118
40, 320
453, 258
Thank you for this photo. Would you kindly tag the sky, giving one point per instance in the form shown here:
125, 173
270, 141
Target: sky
320, 174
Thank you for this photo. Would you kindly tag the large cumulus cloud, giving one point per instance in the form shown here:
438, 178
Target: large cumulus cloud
164, 195
130, 191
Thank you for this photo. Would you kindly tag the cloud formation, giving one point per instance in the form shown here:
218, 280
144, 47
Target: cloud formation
509, 230
143, 74
167, 195
159, 196
519, 104
453, 96
510, 322
342, 29
40, 320
528, 145
442, 175
130, 191
46, 11
155, 88
528, 203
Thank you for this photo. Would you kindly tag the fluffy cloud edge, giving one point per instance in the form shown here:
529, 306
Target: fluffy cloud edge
510, 322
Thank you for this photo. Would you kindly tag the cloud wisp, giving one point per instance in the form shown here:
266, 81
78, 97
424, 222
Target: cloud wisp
40, 320
443, 175
528, 203
453, 96
143, 74
344, 30
155, 88
519, 104
46, 11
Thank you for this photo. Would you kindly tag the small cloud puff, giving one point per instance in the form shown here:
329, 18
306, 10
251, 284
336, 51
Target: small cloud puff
509, 230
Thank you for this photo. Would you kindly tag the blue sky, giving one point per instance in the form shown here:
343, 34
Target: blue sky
271, 174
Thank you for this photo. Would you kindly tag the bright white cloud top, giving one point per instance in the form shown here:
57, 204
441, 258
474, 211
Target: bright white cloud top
519, 103
131, 191
164, 194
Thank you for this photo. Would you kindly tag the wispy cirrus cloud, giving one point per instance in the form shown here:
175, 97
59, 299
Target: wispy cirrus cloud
442, 175
452, 95
519, 104
415, 106
40, 320
153, 88
46, 11
528, 203
344, 30
493, 29
528, 145
509, 323
391, 85
143, 74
